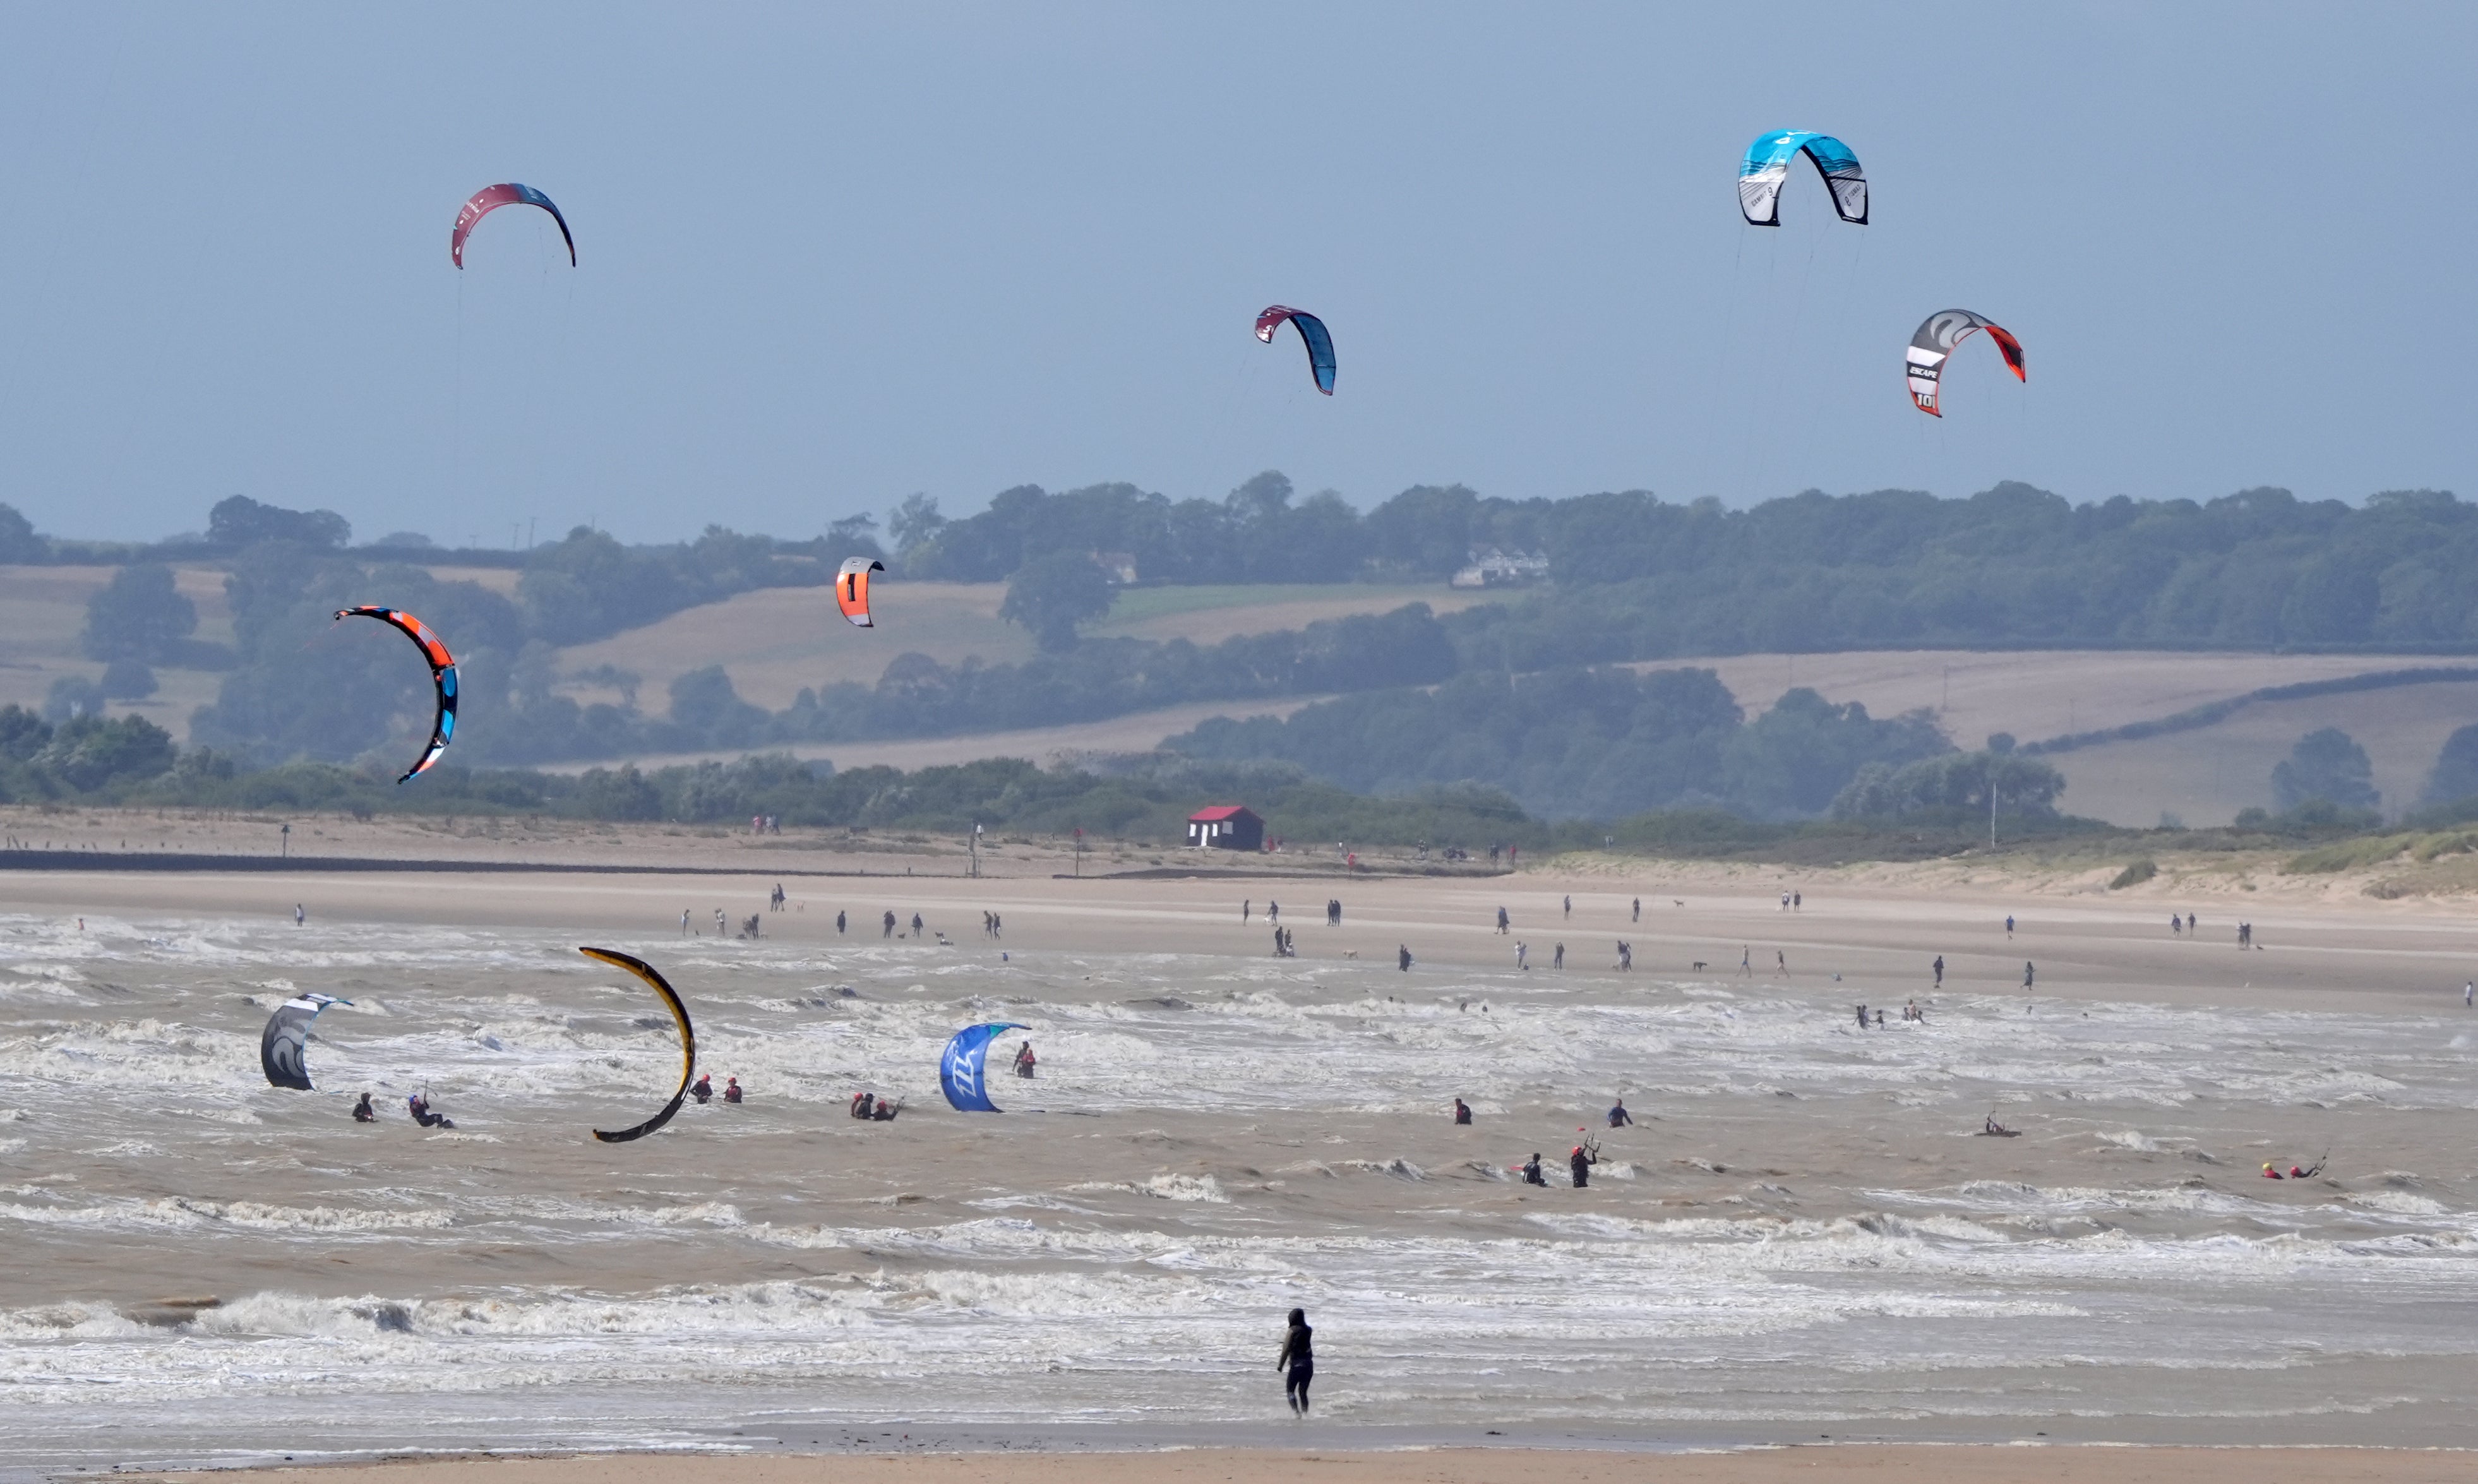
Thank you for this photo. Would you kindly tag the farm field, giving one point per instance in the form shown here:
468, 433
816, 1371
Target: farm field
2203, 776
1140, 731
775, 641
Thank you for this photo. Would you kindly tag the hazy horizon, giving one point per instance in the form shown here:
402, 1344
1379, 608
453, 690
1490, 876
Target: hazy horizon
830, 260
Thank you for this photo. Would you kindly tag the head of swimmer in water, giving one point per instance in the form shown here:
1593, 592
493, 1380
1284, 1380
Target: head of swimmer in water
1299, 1315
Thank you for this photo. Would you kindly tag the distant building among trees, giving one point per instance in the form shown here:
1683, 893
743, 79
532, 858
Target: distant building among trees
1490, 567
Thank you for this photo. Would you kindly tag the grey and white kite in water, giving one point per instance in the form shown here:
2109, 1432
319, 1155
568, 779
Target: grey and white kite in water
1936, 340
284, 1050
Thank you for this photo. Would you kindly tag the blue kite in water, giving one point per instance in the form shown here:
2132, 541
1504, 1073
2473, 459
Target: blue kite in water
1312, 334
1767, 165
963, 1071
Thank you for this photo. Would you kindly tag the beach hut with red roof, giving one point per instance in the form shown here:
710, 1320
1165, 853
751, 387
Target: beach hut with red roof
1226, 827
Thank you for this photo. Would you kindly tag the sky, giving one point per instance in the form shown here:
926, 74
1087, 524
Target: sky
831, 255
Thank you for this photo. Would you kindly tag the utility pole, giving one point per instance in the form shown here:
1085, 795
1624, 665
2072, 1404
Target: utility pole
976, 843
284, 852
1991, 803
1080, 851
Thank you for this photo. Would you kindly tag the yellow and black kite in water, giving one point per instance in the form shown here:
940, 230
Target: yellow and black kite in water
687, 1041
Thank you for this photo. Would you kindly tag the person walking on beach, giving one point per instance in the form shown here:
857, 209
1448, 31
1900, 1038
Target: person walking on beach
1297, 1362
1939, 970
299, 917
1500, 919
916, 924
1558, 957
2176, 924
684, 922
1744, 967
2029, 975
2008, 924
1246, 911
1780, 963
1403, 957
889, 930
1638, 910
2466, 992
840, 921
1522, 951
1272, 910
1797, 901
1570, 909
1626, 956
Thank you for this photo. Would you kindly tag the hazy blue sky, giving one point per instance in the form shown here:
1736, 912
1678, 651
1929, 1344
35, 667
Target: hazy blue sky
831, 256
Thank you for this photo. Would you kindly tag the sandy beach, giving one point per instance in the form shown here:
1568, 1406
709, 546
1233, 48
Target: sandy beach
1803, 1237
1806, 1464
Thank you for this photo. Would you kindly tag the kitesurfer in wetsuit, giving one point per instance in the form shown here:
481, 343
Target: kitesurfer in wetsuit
860, 1104
1403, 957
419, 1107
1581, 1163
363, 1113
1025, 1061
1619, 1118
1531, 1174
1463, 1111
731, 1090
1298, 1363
704, 1089
886, 1111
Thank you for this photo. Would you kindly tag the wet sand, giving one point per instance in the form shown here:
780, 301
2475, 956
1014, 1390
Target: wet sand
1816, 1465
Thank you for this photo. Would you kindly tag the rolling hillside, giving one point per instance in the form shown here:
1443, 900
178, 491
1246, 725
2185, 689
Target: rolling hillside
774, 640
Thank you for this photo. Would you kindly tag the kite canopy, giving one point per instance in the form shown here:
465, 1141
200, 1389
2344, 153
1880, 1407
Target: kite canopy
1767, 165
284, 1048
1312, 334
851, 590
443, 674
963, 1071
688, 1039
488, 200
1943, 330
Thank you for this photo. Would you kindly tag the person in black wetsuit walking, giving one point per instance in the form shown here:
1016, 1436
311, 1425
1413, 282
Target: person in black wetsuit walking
1298, 1363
